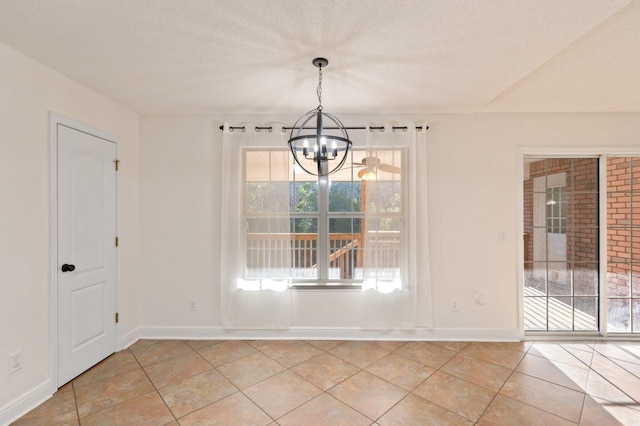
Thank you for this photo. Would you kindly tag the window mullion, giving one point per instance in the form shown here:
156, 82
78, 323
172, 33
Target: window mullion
603, 223
323, 230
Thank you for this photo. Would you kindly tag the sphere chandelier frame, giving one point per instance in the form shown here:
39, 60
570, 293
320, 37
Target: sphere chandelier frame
320, 150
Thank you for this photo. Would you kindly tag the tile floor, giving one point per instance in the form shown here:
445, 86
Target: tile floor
174, 382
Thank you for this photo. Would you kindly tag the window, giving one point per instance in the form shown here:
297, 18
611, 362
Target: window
556, 210
364, 227
336, 230
266, 214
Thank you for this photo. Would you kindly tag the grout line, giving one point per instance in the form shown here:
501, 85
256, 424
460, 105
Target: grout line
80, 419
213, 367
436, 370
584, 394
261, 381
613, 360
154, 387
505, 382
75, 401
553, 362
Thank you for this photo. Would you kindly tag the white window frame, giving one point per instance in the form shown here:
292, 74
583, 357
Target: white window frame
323, 216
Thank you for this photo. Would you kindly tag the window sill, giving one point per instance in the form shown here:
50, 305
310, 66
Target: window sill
325, 286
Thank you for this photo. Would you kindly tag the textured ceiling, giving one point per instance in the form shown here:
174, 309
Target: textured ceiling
400, 56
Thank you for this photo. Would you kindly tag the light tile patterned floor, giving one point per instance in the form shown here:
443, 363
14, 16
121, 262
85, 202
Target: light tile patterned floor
175, 382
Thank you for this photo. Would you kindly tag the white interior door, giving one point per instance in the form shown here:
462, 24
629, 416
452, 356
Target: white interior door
86, 251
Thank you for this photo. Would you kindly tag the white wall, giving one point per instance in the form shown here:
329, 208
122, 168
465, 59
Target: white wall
28, 92
473, 198
180, 217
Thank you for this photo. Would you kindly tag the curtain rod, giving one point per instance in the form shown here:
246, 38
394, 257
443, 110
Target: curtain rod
270, 128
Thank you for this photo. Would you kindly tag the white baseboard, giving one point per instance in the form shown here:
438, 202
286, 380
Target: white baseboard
26, 402
130, 338
301, 333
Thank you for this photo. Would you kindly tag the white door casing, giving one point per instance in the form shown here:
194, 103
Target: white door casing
86, 232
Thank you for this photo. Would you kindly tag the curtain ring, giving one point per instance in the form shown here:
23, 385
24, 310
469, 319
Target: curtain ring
405, 129
244, 129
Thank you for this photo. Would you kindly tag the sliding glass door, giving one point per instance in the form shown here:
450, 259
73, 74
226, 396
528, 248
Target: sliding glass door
623, 245
561, 257
562, 254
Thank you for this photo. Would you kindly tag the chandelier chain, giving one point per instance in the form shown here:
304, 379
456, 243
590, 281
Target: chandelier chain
319, 90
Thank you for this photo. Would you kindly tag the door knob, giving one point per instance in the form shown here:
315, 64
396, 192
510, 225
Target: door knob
68, 268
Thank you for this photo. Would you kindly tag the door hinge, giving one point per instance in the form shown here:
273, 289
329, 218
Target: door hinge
117, 319
117, 242
117, 164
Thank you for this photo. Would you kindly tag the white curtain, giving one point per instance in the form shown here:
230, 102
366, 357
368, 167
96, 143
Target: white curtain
258, 298
397, 288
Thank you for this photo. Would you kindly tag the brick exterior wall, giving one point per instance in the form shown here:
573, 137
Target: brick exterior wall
623, 227
528, 220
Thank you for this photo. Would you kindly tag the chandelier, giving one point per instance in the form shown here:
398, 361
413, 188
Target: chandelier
323, 149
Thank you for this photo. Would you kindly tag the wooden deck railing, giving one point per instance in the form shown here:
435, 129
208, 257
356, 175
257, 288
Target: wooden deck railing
273, 251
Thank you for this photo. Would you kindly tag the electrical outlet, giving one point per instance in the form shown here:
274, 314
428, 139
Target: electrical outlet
454, 305
15, 362
192, 305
